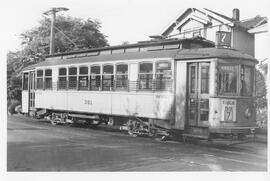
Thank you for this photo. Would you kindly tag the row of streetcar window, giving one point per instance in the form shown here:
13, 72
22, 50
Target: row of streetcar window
91, 78
69, 79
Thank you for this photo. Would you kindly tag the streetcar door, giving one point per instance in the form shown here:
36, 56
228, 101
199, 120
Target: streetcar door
198, 94
32, 91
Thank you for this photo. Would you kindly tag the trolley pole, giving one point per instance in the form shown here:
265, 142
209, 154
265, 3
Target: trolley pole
53, 12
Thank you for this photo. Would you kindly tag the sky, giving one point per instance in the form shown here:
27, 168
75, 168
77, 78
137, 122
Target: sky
121, 20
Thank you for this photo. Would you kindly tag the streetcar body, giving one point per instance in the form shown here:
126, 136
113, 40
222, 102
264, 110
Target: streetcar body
184, 85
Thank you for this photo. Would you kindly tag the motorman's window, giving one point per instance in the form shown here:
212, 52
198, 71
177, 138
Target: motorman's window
107, 78
163, 76
205, 79
72, 78
95, 78
62, 78
246, 80
228, 79
121, 77
83, 78
39, 79
146, 76
48, 79
25, 81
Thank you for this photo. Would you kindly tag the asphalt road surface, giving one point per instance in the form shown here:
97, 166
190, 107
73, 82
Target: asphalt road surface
36, 145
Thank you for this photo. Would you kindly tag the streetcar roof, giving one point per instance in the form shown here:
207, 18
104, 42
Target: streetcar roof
153, 50
203, 53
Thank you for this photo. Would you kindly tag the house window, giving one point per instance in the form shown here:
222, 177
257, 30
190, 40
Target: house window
121, 77
83, 78
39, 79
95, 78
246, 80
72, 78
62, 78
48, 79
25, 81
163, 76
145, 76
228, 79
107, 78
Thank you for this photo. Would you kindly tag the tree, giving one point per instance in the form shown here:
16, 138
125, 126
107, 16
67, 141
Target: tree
35, 44
84, 33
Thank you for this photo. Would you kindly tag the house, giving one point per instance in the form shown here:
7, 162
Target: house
224, 31
260, 33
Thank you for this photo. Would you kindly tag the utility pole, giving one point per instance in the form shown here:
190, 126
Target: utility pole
53, 12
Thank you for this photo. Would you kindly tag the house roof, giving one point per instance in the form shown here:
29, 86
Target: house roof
253, 22
221, 15
245, 24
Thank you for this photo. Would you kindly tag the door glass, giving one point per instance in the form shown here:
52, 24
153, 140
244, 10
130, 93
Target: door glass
204, 109
192, 79
205, 79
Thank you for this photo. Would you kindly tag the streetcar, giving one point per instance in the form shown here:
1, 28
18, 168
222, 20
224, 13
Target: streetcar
185, 87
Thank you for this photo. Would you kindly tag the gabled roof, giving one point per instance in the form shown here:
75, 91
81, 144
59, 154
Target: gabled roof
221, 15
187, 11
245, 24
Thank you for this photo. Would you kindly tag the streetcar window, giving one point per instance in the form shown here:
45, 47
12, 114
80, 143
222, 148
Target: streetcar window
121, 77
205, 79
62, 78
146, 76
228, 79
25, 81
48, 79
246, 80
95, 78
39, 79
83, 78
107, 77
163, 76
72, 78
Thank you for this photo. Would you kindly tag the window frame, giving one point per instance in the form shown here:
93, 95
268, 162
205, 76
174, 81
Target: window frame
150, 83
96, 88
25, 84
167, 80
242, 80
63, 76
45, 79
83, 88
38, 77
121, 88
112, 77
237, 93
72, 76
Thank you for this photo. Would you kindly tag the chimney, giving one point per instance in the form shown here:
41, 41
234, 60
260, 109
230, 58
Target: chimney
236, 14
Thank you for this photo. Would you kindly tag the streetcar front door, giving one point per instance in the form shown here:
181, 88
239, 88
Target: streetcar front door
198, 94
32, 91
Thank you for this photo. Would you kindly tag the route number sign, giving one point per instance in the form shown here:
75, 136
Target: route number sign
223, 38
228, 110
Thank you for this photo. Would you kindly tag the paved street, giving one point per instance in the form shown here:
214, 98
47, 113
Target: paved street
36, 145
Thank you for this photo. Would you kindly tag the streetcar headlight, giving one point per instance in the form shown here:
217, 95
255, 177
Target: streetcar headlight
248, 113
